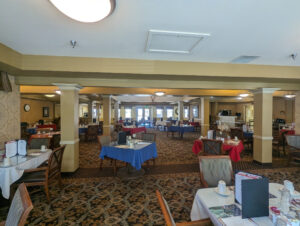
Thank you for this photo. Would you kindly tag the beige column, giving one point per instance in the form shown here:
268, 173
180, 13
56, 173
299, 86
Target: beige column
297, 113
180, 111
69, 107
101, 112
106, 115
190, 112
116, 112
262, 138
204, 115
122, 112
90, 112
164, 113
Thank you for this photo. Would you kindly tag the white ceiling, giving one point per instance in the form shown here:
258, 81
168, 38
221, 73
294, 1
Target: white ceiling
268, 28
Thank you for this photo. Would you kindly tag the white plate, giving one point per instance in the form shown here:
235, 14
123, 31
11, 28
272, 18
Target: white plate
227, 192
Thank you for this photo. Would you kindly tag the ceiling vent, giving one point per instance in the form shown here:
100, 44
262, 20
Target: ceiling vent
173, 41
244, 59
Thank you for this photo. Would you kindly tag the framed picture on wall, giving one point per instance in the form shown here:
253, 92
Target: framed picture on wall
45, 111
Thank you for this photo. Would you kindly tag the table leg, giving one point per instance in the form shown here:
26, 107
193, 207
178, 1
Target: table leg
129, 172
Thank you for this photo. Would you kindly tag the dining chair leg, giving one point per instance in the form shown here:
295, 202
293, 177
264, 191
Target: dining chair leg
115, 167
47, 191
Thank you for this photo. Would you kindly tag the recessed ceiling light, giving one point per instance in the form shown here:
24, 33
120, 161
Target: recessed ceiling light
49, 95
239, 98
85, 11
244, 94
58, 92
142, 95
159, 94
290, 95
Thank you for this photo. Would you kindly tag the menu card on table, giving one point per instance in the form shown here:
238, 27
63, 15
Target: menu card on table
252, 192
11, 148
22, 147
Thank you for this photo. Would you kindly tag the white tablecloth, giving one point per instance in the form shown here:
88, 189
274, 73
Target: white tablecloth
207, 197
161, 123
9, 175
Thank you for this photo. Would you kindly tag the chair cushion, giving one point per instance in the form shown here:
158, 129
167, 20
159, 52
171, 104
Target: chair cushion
32, 177
214, 170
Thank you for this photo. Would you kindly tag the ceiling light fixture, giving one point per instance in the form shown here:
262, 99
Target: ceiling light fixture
239, 98
49, 95
58, 92
159, 94
244, 94
290, 96
85, 11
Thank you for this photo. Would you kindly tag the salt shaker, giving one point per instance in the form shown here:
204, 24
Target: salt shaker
285, 201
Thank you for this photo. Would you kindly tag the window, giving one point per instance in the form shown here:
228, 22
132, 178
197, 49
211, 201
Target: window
119, 113
186, 113
170, 113
195, 112
139, 114
159, 113
128, 113
147, 113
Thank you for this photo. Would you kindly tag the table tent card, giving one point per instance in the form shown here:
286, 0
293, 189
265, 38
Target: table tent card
22, 147
11, 149
252, 192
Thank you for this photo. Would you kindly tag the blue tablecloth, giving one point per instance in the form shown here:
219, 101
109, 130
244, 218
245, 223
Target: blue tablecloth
181, 129
82, 130
135, 157
248, 135
31, 130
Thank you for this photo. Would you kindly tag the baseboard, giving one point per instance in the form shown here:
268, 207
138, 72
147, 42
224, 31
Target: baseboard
262, 164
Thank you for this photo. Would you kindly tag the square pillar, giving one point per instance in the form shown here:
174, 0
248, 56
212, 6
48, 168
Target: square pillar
180, 110
107, 115
164, 113
116, 112
263, 114
97, 112
122, 112
297, 113
204, 116
69, 107
90, 112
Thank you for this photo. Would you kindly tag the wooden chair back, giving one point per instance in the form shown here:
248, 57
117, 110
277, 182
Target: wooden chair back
212, 147
165, 209
36, 143
55, 160
56, 141
92, 130
148, 137
237, 132
20, 207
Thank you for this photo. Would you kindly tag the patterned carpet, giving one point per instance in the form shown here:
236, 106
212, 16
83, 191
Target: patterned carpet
93, 197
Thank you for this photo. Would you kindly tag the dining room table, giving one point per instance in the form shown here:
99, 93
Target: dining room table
134, 130
233, 148
181, 129
289, 131
43, 135
14, 170
53, 126
135, 155
207, 201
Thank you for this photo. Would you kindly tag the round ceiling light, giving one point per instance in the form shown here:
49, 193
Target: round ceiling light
290, 95
49, 95
87, 11
159, 94
58, 92
244, 94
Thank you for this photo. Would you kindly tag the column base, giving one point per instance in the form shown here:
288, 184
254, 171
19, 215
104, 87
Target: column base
262, 164
70, 162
